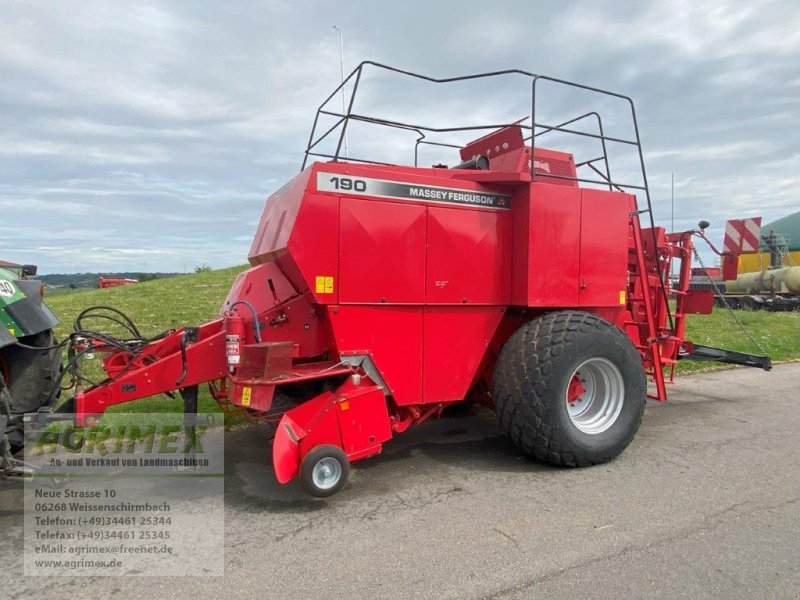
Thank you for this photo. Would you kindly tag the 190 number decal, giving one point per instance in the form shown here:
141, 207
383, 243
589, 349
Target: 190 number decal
347, 184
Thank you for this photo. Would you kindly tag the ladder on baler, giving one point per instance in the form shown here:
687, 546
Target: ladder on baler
643, 300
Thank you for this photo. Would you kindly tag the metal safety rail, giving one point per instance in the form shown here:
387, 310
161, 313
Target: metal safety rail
535, 130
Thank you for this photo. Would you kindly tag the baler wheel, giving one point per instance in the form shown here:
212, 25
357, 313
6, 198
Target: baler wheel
570, 389
324, 470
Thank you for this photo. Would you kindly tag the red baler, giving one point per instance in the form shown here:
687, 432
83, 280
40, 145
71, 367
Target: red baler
380, 294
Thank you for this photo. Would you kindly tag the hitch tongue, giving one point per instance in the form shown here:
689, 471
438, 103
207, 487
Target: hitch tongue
728, 356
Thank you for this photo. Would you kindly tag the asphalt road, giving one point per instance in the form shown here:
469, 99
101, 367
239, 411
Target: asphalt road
704, 504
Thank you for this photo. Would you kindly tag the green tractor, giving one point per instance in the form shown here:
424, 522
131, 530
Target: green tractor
30, 358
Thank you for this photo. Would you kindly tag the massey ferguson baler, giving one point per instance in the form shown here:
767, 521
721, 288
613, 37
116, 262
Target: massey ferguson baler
378, 295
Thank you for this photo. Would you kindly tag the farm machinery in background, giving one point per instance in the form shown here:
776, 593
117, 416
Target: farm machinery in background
380, 294
775, 287
30, 358
107, 282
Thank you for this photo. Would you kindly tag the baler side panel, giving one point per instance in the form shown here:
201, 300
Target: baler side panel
382, 256
603, 248
392, 336
293, 319
252, 285
469, 256
314, 247
277, 220
553, 233
364, 422
520, 246
455, 343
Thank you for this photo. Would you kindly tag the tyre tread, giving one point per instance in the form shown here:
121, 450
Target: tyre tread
522, 385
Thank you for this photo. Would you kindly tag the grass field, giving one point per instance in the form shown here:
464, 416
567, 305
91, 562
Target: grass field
777, 332
194, 299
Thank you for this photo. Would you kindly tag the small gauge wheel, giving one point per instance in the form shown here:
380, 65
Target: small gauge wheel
324, 470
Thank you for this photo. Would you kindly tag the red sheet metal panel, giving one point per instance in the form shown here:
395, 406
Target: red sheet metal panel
252, 285
498, 142
303, 324
469, 256
699, 302
455, 342
603, 248
392, 336
314, 247
277, 220
382, 256
559, 166
319, 417
520, 246
553, 233
363, 421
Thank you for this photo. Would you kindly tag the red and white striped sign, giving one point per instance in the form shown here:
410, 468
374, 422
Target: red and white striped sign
742, 235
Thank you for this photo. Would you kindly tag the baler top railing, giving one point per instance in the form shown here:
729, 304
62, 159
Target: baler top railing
535, 129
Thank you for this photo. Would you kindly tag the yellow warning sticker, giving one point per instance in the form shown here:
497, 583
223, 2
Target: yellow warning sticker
246, 396
323, 285
622, 297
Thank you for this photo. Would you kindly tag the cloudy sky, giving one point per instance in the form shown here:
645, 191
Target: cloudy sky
146, 136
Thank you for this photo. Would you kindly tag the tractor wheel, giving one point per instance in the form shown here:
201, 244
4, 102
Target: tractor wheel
324, 470
570, 389
31, 374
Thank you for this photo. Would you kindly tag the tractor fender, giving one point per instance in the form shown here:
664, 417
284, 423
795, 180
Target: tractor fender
22, 311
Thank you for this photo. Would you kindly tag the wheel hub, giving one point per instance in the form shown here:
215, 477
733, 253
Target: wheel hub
326, 473
595, 395
576, 390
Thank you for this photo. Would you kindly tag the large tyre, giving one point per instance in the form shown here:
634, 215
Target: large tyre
570, 389
31, 374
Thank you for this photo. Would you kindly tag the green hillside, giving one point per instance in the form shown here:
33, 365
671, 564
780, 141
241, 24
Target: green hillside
154, 305
194, 299
58, 282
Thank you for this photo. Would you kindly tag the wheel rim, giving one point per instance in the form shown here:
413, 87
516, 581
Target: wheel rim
326, 473
595, 395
